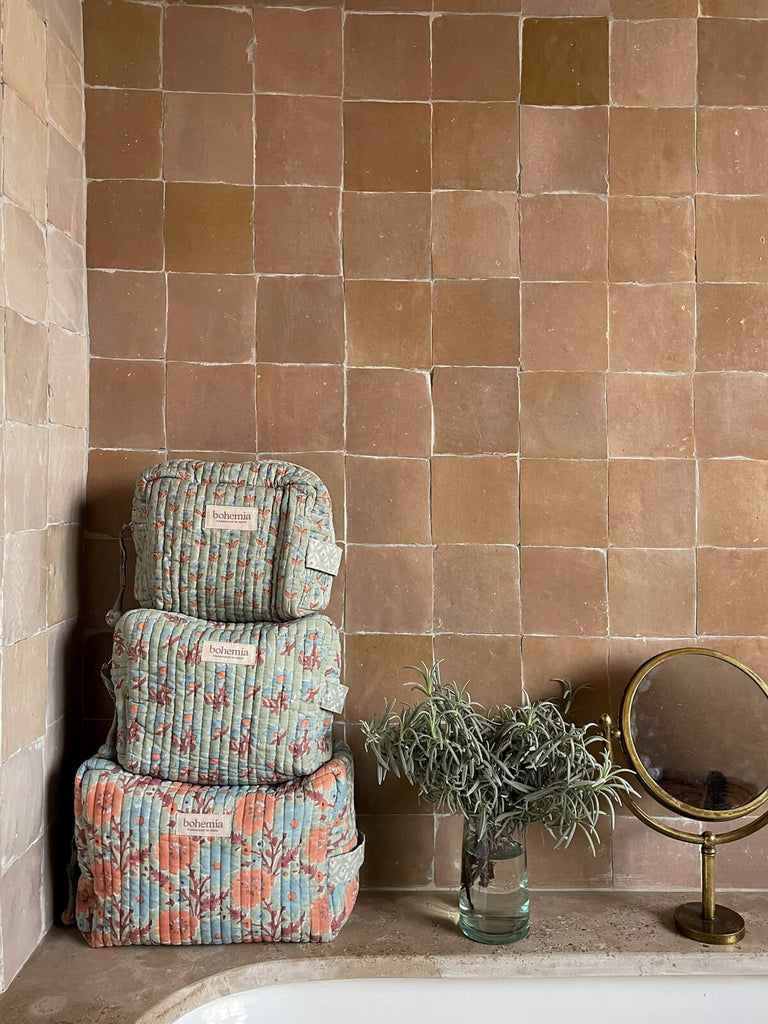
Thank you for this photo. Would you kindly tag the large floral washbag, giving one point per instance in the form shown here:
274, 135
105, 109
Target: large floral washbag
233, 542
232, 704
168, 863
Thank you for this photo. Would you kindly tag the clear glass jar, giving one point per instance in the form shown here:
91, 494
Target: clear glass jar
493, 901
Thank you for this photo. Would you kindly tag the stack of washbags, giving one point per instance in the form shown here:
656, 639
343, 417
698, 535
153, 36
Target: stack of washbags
222, 811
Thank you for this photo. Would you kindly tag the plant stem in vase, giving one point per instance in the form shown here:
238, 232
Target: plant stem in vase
493, 901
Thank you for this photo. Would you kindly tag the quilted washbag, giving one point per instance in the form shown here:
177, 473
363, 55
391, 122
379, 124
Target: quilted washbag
233, 542
168, 863
231, 704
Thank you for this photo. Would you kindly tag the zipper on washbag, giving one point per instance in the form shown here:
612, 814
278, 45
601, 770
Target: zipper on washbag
115, 613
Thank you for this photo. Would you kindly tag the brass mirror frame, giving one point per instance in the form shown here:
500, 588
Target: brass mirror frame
706, 921
656, 791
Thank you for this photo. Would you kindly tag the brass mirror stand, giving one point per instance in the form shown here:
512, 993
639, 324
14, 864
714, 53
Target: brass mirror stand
706, 921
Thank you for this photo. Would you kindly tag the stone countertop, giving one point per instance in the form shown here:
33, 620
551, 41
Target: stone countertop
390, 934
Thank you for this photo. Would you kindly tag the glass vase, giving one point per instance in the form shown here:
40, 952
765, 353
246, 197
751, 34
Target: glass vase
493, 901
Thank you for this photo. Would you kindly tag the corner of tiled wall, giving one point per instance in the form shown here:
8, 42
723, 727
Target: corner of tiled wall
518, 250
44, 447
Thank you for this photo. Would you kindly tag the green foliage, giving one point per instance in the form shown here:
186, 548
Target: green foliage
518, 766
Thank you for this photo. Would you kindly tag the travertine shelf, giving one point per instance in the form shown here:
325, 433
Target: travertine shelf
390, 934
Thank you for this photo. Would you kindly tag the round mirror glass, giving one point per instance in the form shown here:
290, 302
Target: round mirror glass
695, 724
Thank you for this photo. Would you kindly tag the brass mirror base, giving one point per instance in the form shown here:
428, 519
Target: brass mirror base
726, 927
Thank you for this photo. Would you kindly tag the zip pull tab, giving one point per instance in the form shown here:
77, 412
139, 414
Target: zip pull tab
116, 611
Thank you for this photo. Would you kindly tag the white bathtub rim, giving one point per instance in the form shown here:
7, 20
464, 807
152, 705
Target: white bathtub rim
472, 965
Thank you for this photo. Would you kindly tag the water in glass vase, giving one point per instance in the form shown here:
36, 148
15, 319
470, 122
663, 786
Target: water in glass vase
493, 902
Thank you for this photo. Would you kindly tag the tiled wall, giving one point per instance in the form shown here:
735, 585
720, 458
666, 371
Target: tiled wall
44, 420
490, 275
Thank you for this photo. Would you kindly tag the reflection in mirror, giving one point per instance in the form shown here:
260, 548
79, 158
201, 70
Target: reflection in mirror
700, 727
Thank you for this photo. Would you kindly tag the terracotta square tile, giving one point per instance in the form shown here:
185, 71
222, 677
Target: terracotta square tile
731, 326
298, 140
388, 413
25, 156
642, 9
564, 591
127, 404
388, 501
24, 472
26, 571
732, 68
583, 661
551, 866
125, 225
26, 370
474, 499
391, 834
666, 227
389, 589
564, 326
653, 63
299, 51
564, 149
211, 317
551, 492
556, 8
652, 503
126, 314
479, 6
111, 480
652, 327
650, 415
474, 145
68, 369
386, 57
66, 282
476, 323
386, 235
653, 151
475, 234
66, 19
208, 228
731, 415
24, 65
735, 8
25, 672
122, 44
475, 57
651, 592
565, 61
475, 410
563, 238
389, 323
375, 669
751, 651
207, 50
208, 137
66, 186
300, 407
25, 274
388, 5
729, 513
477, 588
562, 415
123, 129
732, 150
300, 320
490, 664
448, 840
393, 796
297, 230
386, 146
732, 591
731, 237
211, 407
66, 97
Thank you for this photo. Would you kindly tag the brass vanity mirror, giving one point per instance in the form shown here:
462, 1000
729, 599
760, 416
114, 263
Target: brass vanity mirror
694, 727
